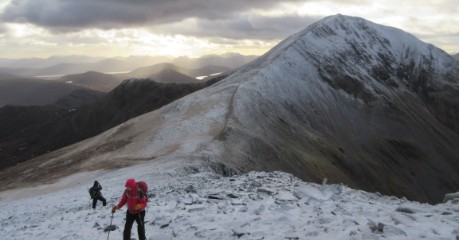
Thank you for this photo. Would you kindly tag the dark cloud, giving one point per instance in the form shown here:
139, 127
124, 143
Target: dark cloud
249, 26
74, 15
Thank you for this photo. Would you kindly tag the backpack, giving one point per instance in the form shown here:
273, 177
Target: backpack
92, 192
142, 189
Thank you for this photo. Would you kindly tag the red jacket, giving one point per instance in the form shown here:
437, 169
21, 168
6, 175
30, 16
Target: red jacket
132, 198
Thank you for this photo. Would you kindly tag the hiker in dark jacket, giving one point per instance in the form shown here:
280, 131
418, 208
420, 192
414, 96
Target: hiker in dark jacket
96, 194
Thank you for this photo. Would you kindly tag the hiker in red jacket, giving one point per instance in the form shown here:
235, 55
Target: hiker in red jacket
136, 203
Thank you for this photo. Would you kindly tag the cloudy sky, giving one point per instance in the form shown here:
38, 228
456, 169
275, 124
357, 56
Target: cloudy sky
41, 28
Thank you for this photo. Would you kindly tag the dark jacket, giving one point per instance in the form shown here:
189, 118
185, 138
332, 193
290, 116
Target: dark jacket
95, 190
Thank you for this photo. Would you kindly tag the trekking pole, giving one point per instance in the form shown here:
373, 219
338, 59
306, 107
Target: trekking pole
110, 226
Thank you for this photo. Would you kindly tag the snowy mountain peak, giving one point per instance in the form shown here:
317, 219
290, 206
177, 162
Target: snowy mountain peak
345, 99
353, 45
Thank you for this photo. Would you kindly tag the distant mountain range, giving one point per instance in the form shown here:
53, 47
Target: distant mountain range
46, 62
64, 65
24, 91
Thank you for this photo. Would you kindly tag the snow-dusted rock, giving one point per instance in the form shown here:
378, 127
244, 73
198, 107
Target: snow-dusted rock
451, 196
337, 212
408, 208
306, 191
393, 231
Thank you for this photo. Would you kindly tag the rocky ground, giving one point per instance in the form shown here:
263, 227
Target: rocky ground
203, 205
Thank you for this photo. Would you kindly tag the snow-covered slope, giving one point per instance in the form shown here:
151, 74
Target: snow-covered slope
345, 99
353, 101
191, 205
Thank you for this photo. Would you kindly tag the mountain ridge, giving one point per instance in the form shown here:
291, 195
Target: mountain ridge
31, 131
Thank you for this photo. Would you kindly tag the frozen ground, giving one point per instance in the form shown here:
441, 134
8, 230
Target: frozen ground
201, 205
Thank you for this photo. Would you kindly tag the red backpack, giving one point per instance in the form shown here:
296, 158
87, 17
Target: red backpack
142, 189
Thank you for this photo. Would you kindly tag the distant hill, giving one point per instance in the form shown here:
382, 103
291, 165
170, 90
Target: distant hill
206, 71
32, 91
456, 56
164, 72
92, 80
230, 60
167, 72
78, 98
29, 131
4, 75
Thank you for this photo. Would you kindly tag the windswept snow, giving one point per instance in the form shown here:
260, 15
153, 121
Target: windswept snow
202, 205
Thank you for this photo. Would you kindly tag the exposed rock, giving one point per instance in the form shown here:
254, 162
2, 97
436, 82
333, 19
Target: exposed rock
197, 209
110, 228
232, 195
165, 224
407, 209
375, 228
238, 233
265, 191
217, 196
190, 189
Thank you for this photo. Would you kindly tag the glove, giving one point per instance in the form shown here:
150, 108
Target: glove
115, 208
138, 206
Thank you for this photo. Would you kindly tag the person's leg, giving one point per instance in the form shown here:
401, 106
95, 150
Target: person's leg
104, 201
140, 217
128, 225
94, 201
